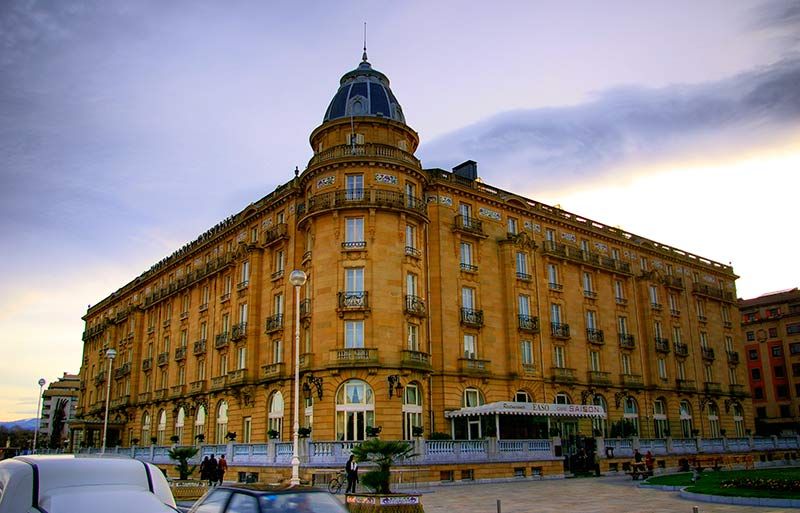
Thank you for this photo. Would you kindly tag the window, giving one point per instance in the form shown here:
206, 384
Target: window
412, 410
685, 410
180, 420
411, 284
201, 370
522, 265
145, 428
466, 213
758, 393
585, 247
784, 409
728, 343
779, 371
411, 236
512, 226
354, 184
660, 419
709, 372
726, 313
162, 428
243, 313
275, 415
524, 305
776, 350
676, 334
559, 357
732, 375
355, 410
472, 397
199, 422
622, 325
469, 346
555, 313
680, 368
222, 422
468, 298
793, 329
413, 337
354, 229
223, 364
761, 412
280, 261
625, 360
562, 398
354, 279
773, 332
241, 358
653, 289
673, 304
466, 257
594, 361
794, 348
701, 309
703, 339
227, 284
755, 374
738, 421
657, 332
277, 351
588, 286
619, 290
713, 419
277, 304
643, 263
521, 396
752, 354
552, 276
591, 320
549, 234
182, 375
526, 352
631, 412
353, 334
796, 369
245, 274
662, 368
411, 194
751, 336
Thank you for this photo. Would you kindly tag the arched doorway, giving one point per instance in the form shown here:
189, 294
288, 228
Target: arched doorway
355, 410
275, 416
222, 422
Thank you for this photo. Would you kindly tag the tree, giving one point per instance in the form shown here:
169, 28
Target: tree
182, 455
384, 454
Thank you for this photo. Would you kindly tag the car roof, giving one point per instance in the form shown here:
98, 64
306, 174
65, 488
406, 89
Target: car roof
54, 475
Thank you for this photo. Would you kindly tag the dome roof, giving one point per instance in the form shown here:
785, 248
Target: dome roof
364, 92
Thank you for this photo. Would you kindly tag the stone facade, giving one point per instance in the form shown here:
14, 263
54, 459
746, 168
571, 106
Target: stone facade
427, 291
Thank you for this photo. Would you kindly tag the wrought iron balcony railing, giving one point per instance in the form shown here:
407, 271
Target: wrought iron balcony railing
627, 341
707, 353
662, 345
415, 305
274, 234
378, 198
595, 336
239, 331
469, 268
631, 380
354, 300
685, 385
681, 349
180, 353
599, 377
305, 308
471, 317
733, 357
559, 330
199, 347
163, 358
528, 323
274, 323
147, 364
221, 340
469, 225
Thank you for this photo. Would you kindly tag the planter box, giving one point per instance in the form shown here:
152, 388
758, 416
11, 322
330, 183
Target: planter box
380, 503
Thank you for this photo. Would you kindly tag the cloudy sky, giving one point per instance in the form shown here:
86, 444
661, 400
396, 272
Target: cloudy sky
128, 128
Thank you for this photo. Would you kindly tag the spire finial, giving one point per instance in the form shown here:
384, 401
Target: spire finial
364, 56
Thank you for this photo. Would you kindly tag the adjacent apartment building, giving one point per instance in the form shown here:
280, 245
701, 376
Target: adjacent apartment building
58, 410
771, 328
428, 291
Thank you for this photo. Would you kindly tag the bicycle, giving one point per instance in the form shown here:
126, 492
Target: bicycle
336, 483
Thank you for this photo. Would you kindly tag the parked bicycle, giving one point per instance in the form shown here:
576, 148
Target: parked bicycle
336, 483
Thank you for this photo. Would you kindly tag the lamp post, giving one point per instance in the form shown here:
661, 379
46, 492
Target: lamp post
38, 414
298, 279
110, 354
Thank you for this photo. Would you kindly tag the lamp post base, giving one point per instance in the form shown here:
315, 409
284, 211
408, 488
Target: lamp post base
295, 480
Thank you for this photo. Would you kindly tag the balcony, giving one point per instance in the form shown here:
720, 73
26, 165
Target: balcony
472, 318
242, 285
737, 390
562, 375
219, 382
239, 332
702, 289
527, 323
631, 380
712, 387
656, 307
599, 378
166, 323
594, 336
221, 340
415, 306
353, 301
662, 345
674, 282
727, 324
559, 330
197, 387
162, 359
237, 377
144, 397
590, 294
675, 313
272, 371
354, 245
469, 268
377, 151
733, 357
354, 357
305, 308
274, 234
100, 378
621, 301
474, 367
681, 349
184, 315
361, 198
413, 252
415, 360
224, 297
277, 275
199, 347
626, 341
147, 364
119, 402
685, 385
159, 394
707, 353
274, 323
122, 371
469, 225
177, 390
306, 360
580, 256
203, 307
524, 276
555, 287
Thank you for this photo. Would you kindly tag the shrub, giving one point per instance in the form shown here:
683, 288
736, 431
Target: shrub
182, 455
384, 454
272, 433
304, 432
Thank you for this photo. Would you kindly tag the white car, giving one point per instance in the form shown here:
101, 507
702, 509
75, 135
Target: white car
69, 484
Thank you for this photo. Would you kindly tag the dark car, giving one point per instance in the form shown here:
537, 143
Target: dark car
246, 498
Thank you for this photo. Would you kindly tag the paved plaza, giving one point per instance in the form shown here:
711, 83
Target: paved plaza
616, 494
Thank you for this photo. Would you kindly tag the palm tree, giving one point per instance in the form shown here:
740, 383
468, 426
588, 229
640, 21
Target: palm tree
182, 455
384, 454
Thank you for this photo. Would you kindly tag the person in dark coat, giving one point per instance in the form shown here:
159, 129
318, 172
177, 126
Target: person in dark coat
212, 471
351, 468
204, 469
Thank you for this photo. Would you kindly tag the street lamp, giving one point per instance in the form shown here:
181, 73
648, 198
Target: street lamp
298, 279
38, 414
110, 354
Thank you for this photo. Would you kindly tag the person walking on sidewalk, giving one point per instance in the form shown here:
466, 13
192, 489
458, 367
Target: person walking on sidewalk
351, 468
222, 466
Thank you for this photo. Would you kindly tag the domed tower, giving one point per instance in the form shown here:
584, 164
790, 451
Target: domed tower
364, 222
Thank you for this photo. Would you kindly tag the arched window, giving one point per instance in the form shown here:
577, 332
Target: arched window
686, 419
200, 422
180, 419
146, 428
222, 422
472, 397
600, 425
631, 413
275, 415
738, 420
522, 397
355, 410
713, 419
562, 398
162, 427
660, 422
412, 410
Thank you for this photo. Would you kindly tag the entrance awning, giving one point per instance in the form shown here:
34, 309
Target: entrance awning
541, 409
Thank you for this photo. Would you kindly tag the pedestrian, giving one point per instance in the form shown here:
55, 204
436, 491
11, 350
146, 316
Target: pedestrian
596, 464
204, 469
649, 462
212, 471
351, 468
222, 466
637, 456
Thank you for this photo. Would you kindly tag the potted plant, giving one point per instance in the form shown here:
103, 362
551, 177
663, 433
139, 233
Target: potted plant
695, 432
273, 434
134, 441
175, 439
200, 438
182, 455
722, 432
231, 436
383, 454
304, 432
417, 431
373, 431
153, 440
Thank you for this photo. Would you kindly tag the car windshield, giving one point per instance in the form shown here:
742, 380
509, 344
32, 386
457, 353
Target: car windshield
301, 503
